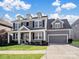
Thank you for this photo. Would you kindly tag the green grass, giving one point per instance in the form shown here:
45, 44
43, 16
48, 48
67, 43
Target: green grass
23, 47
21, 56
75, 42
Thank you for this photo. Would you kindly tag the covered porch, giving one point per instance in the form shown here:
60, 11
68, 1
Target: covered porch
27, 36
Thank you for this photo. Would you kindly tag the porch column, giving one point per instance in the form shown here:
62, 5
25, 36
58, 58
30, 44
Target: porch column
8, 37
44, 35
18, 38
29, 36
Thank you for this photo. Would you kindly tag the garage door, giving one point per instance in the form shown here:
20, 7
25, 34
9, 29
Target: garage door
58, 39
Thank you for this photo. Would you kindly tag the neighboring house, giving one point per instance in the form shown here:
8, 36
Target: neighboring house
40, 28
4, 28
75, 30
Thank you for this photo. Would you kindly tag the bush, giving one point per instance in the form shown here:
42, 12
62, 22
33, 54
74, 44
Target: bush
70, 41
12, 42
44, 43
3, 42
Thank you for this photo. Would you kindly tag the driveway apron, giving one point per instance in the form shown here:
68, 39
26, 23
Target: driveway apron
62, 52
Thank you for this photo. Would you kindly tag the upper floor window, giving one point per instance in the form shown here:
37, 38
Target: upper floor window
16, 26
38, 24
57, 25
25, 23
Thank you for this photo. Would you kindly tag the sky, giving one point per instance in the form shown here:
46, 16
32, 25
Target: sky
53, 8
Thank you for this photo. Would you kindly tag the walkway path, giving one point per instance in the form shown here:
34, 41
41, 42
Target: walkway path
23, 52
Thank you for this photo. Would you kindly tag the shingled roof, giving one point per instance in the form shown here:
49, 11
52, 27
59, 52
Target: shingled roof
66, 24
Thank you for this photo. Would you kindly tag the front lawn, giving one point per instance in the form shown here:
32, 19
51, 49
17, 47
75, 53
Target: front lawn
21, 56
75, 42
23, 47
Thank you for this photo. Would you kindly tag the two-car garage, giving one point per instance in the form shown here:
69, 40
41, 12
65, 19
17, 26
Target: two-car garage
58, 38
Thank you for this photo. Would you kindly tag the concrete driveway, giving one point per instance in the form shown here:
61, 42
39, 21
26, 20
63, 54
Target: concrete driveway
62, 52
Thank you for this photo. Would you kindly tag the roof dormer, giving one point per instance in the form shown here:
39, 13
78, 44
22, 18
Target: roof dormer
57, 23
29, 17
19, 17
39, 14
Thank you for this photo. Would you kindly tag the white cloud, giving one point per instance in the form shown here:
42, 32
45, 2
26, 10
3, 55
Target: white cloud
71, 18
7, 16
55, 16
21, 5
18, 4
7, 6
55, 3
69, 6
8, 1
58, 9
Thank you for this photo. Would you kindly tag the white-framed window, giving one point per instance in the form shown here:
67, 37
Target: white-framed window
38, 24
16, 25
15, 35
57, 25
38, 35
41, 24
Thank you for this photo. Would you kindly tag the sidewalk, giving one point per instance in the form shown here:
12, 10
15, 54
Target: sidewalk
23, 52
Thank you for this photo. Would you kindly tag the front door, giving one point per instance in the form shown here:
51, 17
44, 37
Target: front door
25, 37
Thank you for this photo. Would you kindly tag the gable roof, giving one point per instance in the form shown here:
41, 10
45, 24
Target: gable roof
23, 28
5, 24
56, 20
76, 22
66, 24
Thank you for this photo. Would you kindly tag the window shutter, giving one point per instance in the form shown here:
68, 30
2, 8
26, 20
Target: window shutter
13, 25
22, 24
33, 35
13, 35
43, 23
27, 23
33, 24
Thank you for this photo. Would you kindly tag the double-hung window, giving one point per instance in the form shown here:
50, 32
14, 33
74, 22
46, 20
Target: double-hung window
57, 25
38, 24
16, 26
38, 36
15, 35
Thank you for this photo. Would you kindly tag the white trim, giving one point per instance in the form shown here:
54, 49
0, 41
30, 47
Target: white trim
38, 24
44, 35
18, 38
57, 35
45, 24
8, 37
30, 36
28, 31
56, 20
38, 36
23, 27
58, 29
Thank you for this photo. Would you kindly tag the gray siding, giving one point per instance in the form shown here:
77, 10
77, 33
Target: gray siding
66, 24
75, 31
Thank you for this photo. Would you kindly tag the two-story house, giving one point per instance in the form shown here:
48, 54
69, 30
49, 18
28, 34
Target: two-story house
75, 30
40, 28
